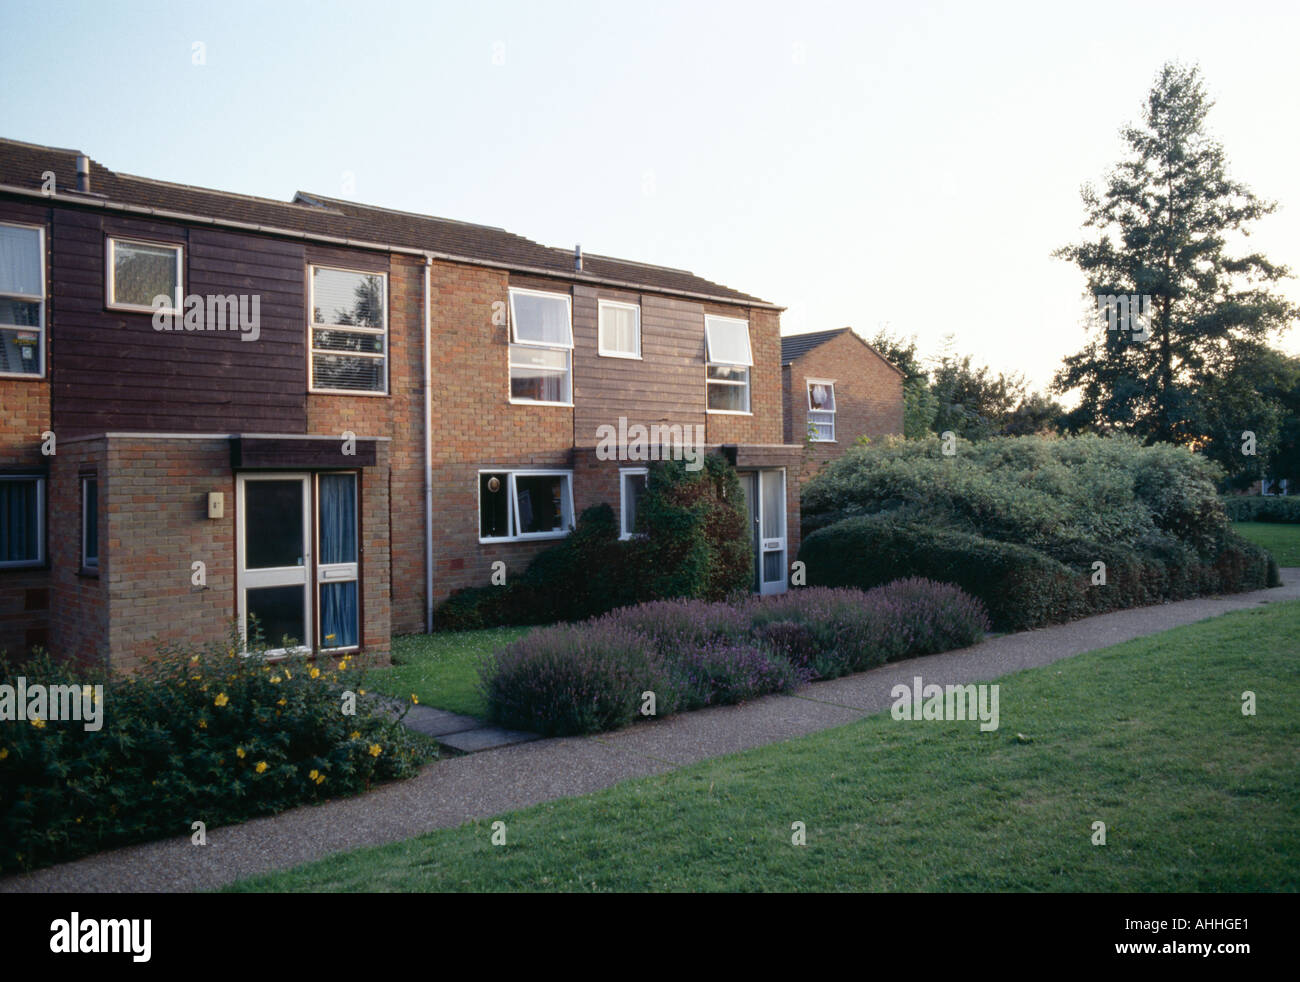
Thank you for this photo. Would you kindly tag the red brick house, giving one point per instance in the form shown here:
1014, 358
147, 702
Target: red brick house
836, 388
329, 415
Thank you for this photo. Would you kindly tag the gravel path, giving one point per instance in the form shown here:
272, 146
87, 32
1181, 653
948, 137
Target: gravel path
452, 791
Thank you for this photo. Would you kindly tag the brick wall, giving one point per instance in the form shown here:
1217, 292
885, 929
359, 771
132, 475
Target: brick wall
765, 402
868, 397
79, 625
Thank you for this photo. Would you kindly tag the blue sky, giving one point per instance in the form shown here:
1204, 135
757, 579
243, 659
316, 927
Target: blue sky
909, 165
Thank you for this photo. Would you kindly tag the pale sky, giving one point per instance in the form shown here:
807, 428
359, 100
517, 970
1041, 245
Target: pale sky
859, 163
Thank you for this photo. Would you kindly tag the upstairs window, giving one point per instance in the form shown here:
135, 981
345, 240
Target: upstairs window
620, 329
821, 411
22, 301
140, 271
524, 504
729, 361
22, 521
541, 348
349, 331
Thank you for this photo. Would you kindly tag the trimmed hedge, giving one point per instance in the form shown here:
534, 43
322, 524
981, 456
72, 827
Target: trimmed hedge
196, 734
590, 677
696, 544
1023, 587
1258, 508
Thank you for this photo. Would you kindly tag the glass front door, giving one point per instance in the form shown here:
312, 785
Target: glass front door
765, 501
299, 561
274, 560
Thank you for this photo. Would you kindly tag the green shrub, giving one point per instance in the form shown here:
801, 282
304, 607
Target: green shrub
196, 734
694, 543
1257, 508
1020, 587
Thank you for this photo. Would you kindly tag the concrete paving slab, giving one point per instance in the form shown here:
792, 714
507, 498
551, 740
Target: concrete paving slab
485, 738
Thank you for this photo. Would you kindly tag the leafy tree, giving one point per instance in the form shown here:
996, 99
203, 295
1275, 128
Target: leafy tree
973, 402
920, 405
1257, 390
1162, 227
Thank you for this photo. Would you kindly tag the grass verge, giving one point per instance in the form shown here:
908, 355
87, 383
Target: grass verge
442, 669
1283, 541
1147, 736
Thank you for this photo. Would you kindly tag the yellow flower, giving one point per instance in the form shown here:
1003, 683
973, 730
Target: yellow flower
281, 702
343, 665
415, 699
275, 679
4, 752
313, 774
79, 817
261, 766
38, 722
321, 779
354, 735
194, 660
361, 692
287, 675
221, 699
376, 750
203, 724
315, 673
239, 752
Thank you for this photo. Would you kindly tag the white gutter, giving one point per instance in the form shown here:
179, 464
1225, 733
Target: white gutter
428, 450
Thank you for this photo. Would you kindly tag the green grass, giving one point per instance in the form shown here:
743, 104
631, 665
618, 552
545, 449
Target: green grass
442, 669
1283, 541
1147, 736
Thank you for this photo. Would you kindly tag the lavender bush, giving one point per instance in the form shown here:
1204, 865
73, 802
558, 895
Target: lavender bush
590, 677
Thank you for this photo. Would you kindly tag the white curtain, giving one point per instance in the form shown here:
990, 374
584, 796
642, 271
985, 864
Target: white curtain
728, 341
20, 260
541, 320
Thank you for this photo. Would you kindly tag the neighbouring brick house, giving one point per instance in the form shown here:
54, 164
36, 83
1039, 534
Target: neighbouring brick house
274, 449
836, 388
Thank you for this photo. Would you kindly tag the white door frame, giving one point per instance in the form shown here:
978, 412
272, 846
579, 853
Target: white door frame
246, 579
336, 572
768, 541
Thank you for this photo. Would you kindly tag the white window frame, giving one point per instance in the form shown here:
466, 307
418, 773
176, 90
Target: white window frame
110, 279
709, 362
30, 298
86, 561
349, 572
513, 340
513, 504
808, 384
40, 522
312, 326
600, 336
251, 579
625, 529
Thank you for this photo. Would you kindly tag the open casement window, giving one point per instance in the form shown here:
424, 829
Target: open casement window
349, 331
89, 523
22, 301
729, 360
632, 482
22, 521
138, 272
619, 329
821, 411
541, 346
524, 504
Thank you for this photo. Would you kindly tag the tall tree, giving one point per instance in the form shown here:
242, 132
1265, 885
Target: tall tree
1162, 228
920, 405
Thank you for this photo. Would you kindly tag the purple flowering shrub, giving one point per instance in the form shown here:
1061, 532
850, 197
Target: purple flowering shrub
589, 677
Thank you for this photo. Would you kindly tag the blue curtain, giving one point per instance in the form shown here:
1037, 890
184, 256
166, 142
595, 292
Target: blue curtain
338, 614
338, 518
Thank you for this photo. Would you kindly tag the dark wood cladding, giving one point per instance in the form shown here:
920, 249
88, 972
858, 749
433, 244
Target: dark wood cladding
665, 386
272, 453
111, 370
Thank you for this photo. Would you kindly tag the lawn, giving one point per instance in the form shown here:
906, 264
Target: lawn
1147, 736
1283, 541
442, 669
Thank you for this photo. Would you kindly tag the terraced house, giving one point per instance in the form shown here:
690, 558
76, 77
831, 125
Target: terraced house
326, 415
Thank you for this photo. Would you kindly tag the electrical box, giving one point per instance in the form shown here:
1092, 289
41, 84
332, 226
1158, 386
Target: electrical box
216, 504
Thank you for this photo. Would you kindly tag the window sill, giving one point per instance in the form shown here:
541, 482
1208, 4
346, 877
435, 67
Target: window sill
538, 537
727, 412
348, 392
122, 308
89, 572
534, 402
616, 354
19, 376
